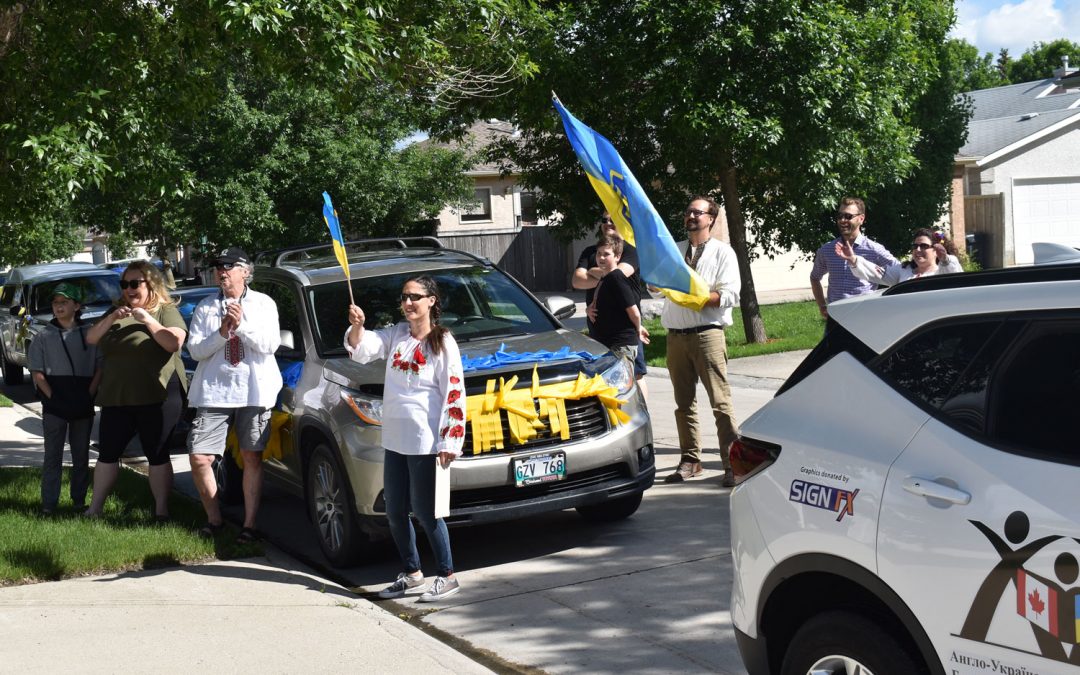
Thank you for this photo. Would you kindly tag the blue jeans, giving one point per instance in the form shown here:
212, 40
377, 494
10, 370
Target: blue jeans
409, 483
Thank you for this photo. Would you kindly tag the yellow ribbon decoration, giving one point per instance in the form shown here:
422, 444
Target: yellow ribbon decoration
525, 422
277, 447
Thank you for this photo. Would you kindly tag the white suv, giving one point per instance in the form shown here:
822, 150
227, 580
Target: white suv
910, 500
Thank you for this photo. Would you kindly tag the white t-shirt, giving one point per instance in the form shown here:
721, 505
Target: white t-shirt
423, 393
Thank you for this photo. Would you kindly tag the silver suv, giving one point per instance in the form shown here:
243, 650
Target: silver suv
26, 306
329, 412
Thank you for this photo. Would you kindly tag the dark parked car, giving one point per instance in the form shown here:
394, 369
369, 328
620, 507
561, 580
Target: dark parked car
26, 305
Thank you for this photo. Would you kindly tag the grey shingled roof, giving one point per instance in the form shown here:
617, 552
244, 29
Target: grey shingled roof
996, 118
479, 136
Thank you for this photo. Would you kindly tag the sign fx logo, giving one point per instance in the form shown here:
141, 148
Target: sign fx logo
832, 499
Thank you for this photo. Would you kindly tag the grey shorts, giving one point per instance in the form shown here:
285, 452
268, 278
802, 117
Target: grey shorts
211, 427
626, 351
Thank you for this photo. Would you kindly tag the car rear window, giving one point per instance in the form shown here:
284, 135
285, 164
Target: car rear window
929, 364
477, 302
101, 289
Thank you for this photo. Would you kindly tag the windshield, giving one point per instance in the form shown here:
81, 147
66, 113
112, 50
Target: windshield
477, 302
100, 289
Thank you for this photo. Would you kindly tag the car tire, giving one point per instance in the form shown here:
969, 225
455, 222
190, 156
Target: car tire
230, 480
330, 506
843, 643
611, 510
13, 372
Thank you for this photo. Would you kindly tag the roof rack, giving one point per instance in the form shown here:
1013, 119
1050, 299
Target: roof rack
276, 257
995, 277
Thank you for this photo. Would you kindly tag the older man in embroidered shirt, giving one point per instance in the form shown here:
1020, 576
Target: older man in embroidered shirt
850, 216
233, 336
696, 348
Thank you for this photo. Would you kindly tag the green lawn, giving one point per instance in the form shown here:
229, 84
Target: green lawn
789, 327
5, 402
35, 548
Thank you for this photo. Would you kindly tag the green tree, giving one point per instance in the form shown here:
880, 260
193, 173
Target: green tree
1042, 59
941, 116
85, 82
778, 108
254, 165
968, 69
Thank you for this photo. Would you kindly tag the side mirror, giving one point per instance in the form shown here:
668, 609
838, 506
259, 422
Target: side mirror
562, 307
287, 340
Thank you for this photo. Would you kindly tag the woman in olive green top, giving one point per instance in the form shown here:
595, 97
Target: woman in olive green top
142, 382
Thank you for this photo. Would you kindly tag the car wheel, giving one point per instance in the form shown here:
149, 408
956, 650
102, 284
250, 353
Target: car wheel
330, 506
230, 480
13, 372
845, 643
611, 510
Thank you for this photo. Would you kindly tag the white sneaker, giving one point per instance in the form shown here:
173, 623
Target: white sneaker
401, 586
442, 587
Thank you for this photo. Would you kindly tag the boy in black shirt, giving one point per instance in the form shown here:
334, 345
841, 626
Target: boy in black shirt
587, 276
614, 313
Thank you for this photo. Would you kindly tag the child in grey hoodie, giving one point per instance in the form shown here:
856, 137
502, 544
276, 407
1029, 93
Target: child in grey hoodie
66, 372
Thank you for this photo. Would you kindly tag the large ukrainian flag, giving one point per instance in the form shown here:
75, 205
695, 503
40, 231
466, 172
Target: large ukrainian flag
635, 217
330, 216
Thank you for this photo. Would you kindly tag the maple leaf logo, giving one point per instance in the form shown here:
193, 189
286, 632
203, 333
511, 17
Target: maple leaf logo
1037, 604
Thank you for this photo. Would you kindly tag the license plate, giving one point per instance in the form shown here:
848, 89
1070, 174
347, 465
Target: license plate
540, 469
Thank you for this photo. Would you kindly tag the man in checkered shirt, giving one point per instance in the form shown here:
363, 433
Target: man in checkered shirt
850, 215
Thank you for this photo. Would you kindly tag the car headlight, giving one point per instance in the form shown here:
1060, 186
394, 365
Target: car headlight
620, 376
368, 409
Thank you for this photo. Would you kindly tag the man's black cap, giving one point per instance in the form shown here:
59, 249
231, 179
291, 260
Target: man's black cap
232, 255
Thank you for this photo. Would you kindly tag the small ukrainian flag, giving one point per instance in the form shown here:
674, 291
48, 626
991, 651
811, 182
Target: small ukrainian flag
330, 216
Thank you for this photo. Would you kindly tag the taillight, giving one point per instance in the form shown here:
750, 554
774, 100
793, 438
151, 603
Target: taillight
749, 456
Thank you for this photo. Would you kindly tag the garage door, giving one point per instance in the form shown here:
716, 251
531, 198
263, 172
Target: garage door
1045, 209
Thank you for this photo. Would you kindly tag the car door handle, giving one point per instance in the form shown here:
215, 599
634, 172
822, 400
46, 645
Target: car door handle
927, 487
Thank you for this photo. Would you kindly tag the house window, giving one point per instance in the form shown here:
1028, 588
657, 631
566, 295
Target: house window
528, 208
479, 209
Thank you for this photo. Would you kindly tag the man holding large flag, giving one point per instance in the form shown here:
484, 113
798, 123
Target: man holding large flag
696, 348
700, 292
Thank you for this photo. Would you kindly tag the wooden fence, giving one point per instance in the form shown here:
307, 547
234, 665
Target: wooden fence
532, 255
984, 216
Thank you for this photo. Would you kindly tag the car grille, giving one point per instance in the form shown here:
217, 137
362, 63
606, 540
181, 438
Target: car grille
587, 417
506, 494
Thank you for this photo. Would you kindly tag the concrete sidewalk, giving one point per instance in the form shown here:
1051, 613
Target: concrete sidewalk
267, 615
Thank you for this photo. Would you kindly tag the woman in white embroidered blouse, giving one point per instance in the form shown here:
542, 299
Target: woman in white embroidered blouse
423, 422
928, 257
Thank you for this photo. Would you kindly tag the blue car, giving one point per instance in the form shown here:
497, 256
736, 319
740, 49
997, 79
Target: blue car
187, 298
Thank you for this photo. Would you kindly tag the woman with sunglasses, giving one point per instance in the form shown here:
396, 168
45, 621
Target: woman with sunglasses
142, 384
423, 422
928, 257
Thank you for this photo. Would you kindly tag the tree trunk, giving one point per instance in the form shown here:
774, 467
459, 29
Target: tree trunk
753, 326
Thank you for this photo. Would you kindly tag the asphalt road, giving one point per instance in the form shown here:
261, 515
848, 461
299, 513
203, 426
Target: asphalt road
552, 592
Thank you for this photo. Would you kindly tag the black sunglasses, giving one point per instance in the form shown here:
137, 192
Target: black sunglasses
605, 221
415, 297
694, 213
847, 216
133, 283
225, 266
921, 247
